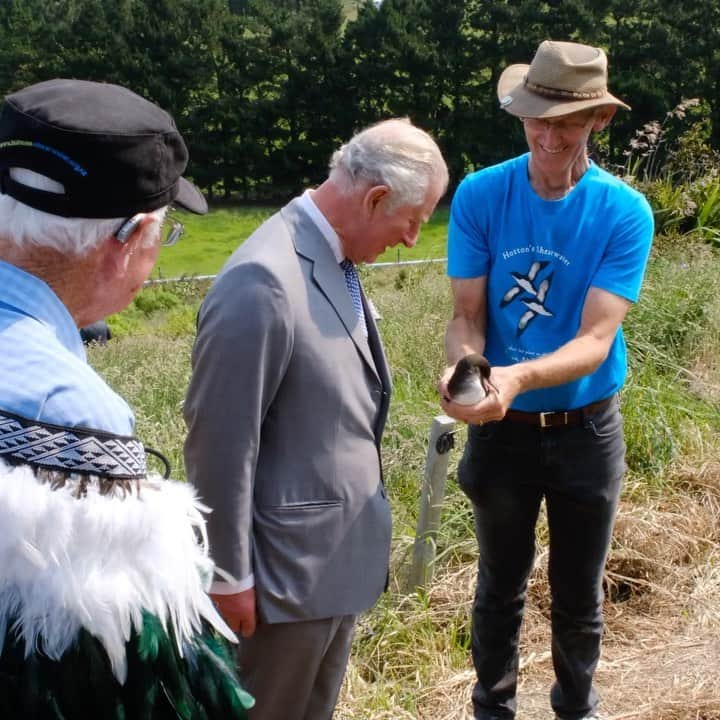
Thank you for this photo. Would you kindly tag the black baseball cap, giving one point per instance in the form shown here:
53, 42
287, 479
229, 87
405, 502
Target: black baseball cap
115, 153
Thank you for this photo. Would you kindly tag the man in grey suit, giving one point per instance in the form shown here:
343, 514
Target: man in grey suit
285, 411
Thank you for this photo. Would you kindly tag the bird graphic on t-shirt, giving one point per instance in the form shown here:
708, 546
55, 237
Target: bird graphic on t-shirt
523, 283
535, 307
543, 288
531, 292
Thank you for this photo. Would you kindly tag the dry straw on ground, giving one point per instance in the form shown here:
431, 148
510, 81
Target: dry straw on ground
661, 655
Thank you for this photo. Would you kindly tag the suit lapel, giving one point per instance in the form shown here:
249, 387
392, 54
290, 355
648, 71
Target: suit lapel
327, 275
376, 346
382, 368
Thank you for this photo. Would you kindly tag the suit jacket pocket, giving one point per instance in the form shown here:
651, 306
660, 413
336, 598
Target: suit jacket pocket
320, 558
294, 543
304, 505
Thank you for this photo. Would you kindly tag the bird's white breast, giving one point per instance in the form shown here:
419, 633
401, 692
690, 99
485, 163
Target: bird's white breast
471, 391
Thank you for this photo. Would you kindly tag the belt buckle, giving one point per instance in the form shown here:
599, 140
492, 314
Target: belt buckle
545, 421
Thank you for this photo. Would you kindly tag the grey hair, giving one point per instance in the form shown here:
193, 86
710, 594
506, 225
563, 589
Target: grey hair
25, 226
395, 153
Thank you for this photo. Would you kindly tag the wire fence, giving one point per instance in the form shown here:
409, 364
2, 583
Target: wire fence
201, 278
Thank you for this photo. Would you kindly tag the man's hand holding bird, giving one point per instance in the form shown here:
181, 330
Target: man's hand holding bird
475, 393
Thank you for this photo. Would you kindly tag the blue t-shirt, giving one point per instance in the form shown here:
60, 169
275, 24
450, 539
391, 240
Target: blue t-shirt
540, 258
44, 373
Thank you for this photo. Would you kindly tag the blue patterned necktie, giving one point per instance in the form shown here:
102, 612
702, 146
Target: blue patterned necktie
353, 286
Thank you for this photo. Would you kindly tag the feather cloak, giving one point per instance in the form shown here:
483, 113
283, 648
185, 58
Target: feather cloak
103, 604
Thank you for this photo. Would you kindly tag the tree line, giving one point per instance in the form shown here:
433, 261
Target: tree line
265, 90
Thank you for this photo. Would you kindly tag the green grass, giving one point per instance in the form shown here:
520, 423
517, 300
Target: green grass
671, 399
431, 243
209, 241
409, 645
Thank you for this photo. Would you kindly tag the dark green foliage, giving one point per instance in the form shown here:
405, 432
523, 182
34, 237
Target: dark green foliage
265, 90
673, 163
157, 298
161, 684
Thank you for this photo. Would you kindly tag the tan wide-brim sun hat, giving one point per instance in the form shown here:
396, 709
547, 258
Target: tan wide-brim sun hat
563, 78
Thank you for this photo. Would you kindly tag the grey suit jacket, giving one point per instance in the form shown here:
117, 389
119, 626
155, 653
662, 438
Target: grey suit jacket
285, 412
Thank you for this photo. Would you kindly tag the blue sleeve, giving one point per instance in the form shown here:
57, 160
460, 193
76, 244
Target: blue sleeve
622, 267
468, 252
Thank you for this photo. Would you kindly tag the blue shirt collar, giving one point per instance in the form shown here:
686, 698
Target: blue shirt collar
34, 297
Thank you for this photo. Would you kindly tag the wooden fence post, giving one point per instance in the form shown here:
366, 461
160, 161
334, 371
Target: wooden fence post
439, 444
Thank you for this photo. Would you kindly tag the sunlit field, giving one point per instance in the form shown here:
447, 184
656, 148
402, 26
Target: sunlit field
209, 240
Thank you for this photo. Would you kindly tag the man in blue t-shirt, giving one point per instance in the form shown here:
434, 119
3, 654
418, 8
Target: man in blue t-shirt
546, 254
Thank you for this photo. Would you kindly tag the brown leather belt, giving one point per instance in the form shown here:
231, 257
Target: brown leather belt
557, 418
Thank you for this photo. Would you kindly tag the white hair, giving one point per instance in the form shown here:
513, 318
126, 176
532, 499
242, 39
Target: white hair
24, 226
393, 153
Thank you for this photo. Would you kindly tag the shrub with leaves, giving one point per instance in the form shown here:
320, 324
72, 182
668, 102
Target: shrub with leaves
677, 170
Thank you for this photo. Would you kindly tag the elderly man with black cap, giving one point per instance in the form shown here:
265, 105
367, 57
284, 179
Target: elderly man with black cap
103, 610
546, 254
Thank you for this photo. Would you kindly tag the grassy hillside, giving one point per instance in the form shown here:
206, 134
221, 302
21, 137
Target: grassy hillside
411, 654
210, 239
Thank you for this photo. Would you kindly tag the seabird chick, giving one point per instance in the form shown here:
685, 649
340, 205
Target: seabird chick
470, 382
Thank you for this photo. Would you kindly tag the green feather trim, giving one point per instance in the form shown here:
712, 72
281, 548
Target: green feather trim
162, 684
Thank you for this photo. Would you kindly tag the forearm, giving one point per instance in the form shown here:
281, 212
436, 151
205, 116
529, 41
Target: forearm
577, 358
462, 337
466, 330
603, 313
220, 449
581, 356
220, 465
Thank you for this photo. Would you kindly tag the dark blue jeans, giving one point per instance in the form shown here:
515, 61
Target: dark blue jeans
506, 471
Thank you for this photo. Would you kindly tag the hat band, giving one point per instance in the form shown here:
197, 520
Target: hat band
557, 93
